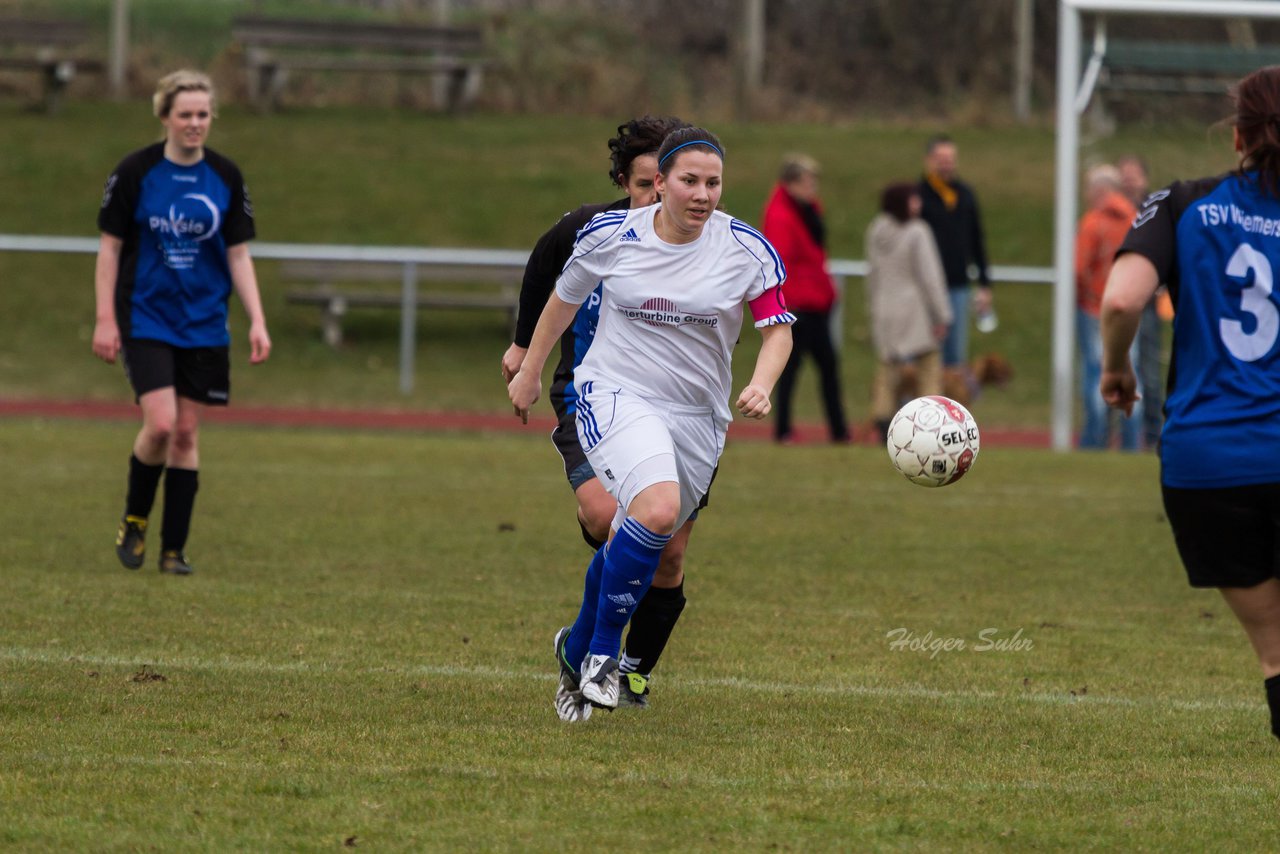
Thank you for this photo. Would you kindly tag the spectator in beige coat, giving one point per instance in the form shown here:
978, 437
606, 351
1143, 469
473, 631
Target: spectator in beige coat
907, 300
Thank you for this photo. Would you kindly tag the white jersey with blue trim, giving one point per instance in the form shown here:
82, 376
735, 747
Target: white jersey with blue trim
670, 314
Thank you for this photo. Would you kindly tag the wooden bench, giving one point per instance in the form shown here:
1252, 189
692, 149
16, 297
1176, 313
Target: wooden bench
51, 47
334, 301
1180, 67
273, 47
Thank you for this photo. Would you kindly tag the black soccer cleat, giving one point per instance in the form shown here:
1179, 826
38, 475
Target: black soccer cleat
634, 691
131, 546
175, 562
566, 669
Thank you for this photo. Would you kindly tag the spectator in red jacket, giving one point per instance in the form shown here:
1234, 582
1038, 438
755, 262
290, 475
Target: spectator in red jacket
793, 223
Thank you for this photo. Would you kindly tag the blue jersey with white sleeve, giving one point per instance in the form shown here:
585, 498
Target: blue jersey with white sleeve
175, 223
1216, 243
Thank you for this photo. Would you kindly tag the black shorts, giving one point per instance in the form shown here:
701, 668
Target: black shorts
1226, 537
576, 467
202, 374
565, 438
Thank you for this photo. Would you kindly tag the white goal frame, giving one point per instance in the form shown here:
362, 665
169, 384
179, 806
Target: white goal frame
1073, 98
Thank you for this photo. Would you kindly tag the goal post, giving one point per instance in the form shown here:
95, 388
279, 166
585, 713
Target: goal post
1070, 103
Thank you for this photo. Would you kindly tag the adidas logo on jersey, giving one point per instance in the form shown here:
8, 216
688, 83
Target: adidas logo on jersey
629, 236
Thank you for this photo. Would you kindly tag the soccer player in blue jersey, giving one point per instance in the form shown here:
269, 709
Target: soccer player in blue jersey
653, 389
1216, 243
175, 222
633, 162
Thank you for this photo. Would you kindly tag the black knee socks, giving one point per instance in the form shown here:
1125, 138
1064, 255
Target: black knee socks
143, 481
1273, 700
651, 625
180, 486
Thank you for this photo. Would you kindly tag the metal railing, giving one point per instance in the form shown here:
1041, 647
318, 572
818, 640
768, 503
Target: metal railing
411, 258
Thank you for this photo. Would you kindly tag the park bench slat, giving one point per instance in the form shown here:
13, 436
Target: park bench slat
273, 47
334, 300
50, 47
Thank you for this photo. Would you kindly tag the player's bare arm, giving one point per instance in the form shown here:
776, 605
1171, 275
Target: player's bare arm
774, 351
1132, 283
526, 386
245, 281
106, 331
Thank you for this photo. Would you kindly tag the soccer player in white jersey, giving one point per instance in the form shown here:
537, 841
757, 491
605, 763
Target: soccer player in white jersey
633, 163
654, 387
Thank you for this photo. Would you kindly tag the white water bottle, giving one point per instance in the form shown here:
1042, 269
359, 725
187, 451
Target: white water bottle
985, 318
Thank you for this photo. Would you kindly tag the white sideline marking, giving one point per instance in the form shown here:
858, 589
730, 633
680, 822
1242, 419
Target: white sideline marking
251, 665
826, 781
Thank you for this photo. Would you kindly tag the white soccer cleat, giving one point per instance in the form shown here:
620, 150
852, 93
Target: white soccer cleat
570, 705
599, 680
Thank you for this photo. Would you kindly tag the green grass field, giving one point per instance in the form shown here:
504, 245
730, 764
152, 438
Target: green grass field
363, 657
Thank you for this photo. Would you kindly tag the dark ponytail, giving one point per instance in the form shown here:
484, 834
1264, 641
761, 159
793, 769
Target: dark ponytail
1257, 118
638, 137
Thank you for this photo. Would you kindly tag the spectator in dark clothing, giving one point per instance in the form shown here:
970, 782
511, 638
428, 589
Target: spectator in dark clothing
951, 210
793, 223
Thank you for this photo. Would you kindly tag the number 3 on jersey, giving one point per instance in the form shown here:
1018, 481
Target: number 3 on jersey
1254, 299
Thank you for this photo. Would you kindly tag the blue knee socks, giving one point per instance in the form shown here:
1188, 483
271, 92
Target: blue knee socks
617, 579
629, 566
575, 646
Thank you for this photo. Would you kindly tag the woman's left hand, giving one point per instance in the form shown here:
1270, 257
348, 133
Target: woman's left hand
754, 402
259, 343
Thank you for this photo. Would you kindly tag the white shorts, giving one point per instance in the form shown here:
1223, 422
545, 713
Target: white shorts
633, 443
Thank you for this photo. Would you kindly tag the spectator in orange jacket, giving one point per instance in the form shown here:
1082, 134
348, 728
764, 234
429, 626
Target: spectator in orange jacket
793, 223
1102, 229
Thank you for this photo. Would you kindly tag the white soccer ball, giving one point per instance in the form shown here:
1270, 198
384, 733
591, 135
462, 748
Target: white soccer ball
933, 441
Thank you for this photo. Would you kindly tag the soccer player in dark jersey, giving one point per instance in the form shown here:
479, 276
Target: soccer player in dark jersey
175, 221
1216, 243
633, 163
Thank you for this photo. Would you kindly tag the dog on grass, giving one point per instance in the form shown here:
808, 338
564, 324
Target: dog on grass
989, 369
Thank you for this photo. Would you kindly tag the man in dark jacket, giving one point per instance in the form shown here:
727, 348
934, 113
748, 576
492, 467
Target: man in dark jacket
951, 209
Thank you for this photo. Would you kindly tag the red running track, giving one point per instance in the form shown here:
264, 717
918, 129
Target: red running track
426, 421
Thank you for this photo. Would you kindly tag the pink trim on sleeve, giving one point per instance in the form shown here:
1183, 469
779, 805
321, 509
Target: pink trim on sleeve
768, 304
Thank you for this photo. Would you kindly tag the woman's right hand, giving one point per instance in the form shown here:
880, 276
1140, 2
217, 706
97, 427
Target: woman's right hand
1120, 389
524, 390
106, 340
512, 360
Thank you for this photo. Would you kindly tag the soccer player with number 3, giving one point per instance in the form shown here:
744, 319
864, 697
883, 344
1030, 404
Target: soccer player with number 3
1216, 243
653, 389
